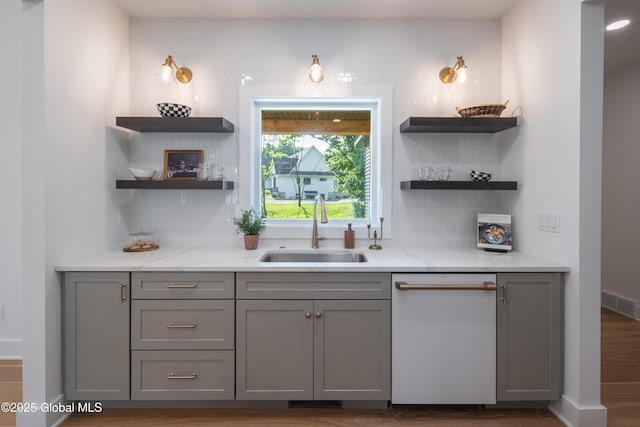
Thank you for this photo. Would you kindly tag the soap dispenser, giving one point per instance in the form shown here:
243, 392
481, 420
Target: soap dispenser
349, 238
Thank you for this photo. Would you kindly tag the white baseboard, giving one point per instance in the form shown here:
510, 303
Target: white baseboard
10, 349
620, 304
56, 418
574, 416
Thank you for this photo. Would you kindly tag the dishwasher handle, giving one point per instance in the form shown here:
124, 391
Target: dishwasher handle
486, 286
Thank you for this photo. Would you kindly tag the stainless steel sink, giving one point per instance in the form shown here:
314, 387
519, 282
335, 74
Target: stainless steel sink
313, 256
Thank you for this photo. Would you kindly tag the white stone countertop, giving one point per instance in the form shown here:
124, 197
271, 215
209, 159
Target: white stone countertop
390, 259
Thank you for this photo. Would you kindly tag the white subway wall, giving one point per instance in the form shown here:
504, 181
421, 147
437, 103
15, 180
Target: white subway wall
620, 197
403, 54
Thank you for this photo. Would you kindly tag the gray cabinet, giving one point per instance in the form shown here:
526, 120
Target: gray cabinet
182, 336
96, 336
274, 350
321, 349
529, 336
352, 350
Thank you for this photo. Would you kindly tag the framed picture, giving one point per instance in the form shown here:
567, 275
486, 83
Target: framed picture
494, 232
182, 164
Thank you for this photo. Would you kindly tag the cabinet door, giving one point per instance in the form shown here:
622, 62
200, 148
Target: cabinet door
352, 350
274, 350
96, 336
529, 336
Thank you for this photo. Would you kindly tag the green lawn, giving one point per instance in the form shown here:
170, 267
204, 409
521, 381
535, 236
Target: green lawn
291, 210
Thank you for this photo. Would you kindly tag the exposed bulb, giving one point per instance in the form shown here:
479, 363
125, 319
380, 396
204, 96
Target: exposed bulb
463, 74
316, 74
463, 80
166, 72
167, 69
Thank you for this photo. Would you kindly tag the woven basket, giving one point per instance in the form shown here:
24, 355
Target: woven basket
484, 110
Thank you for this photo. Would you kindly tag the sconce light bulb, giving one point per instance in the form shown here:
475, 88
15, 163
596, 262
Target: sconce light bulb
463, 74
316, 74
166, 72
183, 74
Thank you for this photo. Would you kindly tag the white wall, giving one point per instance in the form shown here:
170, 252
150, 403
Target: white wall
69, 207
620, 198
11, 185
556, 158
403, 54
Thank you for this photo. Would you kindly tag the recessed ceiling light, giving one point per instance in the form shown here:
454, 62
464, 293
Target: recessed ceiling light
618, 24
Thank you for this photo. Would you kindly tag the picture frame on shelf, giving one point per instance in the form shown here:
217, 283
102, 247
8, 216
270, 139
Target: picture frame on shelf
182, 164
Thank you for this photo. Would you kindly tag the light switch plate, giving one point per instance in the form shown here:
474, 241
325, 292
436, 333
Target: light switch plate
549, 221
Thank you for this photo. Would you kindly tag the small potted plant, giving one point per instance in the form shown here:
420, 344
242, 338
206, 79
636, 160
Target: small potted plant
249, 223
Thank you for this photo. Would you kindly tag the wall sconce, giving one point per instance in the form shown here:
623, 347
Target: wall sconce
459, 71
315, 72
183, 74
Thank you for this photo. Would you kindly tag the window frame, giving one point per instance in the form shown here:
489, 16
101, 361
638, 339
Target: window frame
254, 99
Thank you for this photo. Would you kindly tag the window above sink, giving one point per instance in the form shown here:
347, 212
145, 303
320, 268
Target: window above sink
376, 102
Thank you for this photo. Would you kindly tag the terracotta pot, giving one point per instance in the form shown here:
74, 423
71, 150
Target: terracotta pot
251, 241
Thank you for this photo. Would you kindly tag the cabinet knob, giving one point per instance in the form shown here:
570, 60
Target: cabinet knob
318, 314
307, 315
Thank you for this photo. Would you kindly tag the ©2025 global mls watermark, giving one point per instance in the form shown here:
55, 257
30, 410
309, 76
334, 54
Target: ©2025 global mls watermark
69, 407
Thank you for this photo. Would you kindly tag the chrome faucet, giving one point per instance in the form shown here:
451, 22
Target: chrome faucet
323, 220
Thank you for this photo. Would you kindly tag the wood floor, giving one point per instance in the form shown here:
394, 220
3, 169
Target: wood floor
10, 388
620, 394
620, 378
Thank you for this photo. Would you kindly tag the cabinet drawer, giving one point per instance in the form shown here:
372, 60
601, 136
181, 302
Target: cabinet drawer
182, 375
313, 285
182, 325
181, 285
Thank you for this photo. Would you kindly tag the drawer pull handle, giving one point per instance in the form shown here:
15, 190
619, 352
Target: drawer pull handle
486, 286
173, 376
318, 314
174, 326
307, 315
182, 285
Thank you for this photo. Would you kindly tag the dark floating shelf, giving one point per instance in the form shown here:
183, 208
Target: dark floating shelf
175, 185
459, 185
176, 124
457, 124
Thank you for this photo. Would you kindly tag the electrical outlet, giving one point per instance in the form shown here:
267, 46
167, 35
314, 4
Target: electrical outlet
549, 221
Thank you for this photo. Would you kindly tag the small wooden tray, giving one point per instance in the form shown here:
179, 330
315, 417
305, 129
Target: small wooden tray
152, 248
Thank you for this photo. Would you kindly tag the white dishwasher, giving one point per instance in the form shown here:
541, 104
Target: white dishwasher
443, 339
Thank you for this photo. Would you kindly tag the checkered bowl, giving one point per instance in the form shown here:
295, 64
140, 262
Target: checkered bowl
480, 176
168, 109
